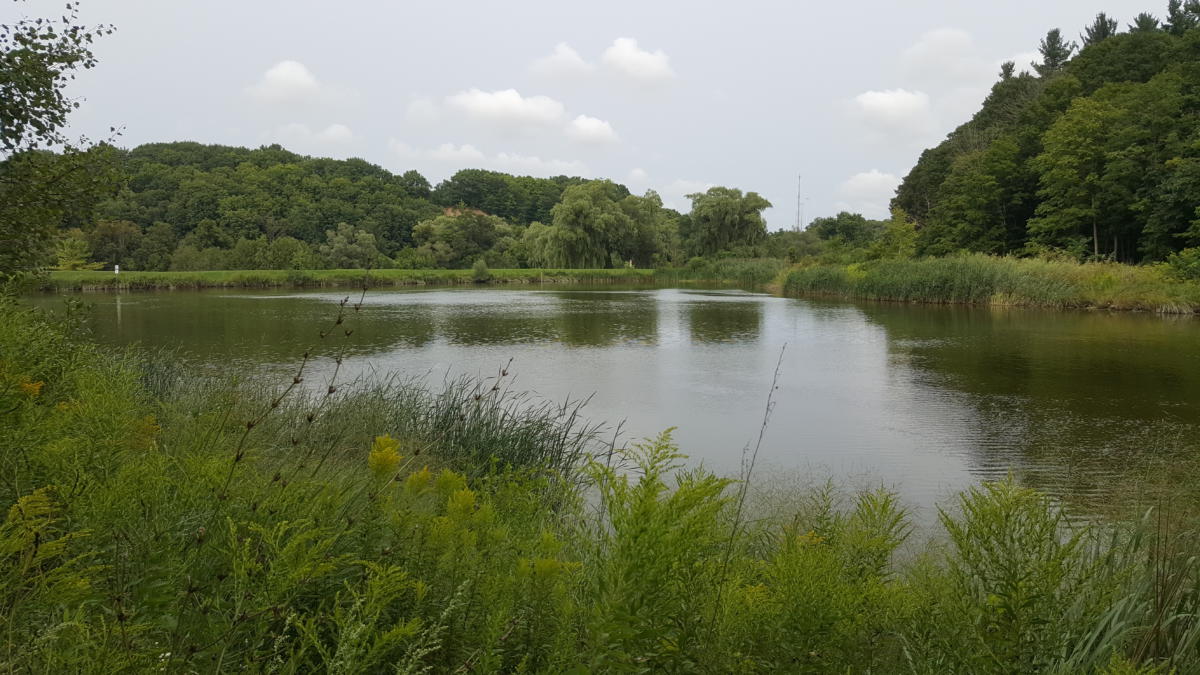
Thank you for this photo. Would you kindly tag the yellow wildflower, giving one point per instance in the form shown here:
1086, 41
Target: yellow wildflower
31, 389
418, 480
384, 456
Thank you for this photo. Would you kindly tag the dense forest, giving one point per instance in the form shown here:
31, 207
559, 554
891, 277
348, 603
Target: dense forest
189, 206
1096, 153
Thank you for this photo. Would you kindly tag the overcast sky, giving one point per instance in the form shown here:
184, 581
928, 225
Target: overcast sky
670, 96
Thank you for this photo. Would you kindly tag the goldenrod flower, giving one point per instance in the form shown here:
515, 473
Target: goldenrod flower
31, 389
384, 456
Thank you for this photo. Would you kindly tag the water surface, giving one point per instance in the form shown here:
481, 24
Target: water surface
923, 399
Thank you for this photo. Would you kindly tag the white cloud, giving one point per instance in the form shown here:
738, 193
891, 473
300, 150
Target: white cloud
422, 110
638, 176
448, 152
896, 111
533, 165
868, 193
300, 135
562, 62
286, 82
945, 57
591, 130
626, 58
449, 155
1024, 61
674, 194
507, 108
335, 133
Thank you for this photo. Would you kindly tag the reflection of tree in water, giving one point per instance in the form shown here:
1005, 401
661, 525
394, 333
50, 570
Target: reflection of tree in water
598, 320
231, 329
490, 324
724, 320
1088, 406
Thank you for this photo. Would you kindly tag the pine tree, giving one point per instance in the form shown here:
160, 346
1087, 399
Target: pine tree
1055, 53
1101, 29
1182, 17
1144, 23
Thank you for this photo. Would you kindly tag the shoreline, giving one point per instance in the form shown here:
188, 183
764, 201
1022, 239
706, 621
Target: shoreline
85, 282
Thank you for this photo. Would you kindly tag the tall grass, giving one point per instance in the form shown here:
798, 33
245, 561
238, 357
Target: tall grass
748, 272
981, 279
160, 522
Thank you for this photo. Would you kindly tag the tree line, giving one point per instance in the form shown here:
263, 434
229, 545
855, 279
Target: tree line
191, 206
1094, 154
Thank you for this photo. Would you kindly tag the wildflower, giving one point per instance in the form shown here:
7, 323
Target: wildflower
31, 389
418, 480
384, 456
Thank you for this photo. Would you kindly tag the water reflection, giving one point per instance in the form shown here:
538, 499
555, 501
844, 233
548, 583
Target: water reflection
720, 318
1081, 404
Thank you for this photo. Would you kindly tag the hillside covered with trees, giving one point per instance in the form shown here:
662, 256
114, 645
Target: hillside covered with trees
1095, 153
188, 206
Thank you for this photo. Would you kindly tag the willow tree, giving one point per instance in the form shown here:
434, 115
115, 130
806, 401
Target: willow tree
589, 219
723, 218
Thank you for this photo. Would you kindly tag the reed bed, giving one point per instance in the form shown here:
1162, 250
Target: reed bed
989, 280
745, 272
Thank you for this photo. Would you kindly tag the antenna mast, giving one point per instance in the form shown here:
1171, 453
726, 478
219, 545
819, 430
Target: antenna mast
799, 203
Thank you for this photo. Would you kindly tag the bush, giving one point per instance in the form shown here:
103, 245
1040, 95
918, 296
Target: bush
480, 273
1185, 264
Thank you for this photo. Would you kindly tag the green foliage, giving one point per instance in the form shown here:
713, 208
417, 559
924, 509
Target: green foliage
38, 189
480, 272
1055, 53
1101, 29
749, 273
349, 248
723, 218
73, 252
898, 240
38, 57
1092, 156
980, 279
459, 236
516, 199
1185, 264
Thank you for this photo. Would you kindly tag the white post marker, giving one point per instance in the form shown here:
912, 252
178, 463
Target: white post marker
116, 269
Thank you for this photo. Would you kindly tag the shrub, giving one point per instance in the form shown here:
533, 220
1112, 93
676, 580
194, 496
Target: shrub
480, 273
1185, 264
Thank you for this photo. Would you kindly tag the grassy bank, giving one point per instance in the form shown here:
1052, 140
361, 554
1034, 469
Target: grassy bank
987, 280
107, 281
159, 522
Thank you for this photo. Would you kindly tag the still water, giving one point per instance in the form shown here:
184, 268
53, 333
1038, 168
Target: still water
922, 399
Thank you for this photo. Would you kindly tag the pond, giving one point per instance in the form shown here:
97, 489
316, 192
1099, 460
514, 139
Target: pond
923, 399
